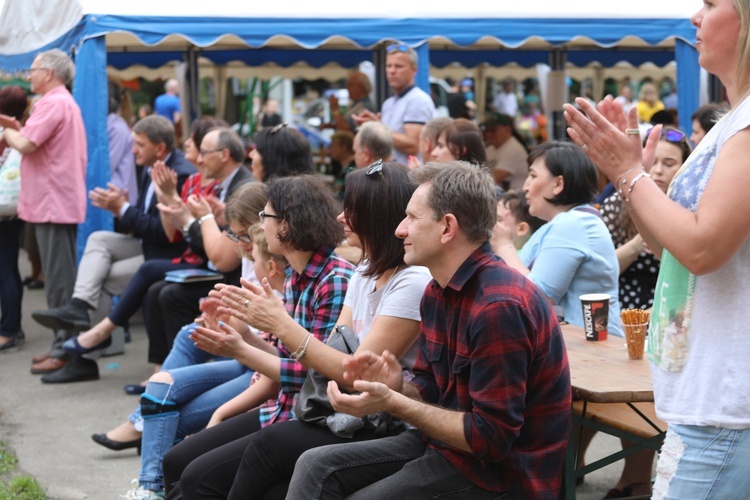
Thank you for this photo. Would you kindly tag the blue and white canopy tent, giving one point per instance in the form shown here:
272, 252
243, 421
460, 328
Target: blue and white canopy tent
98, 32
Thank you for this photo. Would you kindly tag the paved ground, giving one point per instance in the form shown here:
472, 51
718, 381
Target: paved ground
49, 426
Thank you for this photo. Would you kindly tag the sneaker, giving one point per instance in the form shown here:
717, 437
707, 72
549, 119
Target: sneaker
72, 316
141, 493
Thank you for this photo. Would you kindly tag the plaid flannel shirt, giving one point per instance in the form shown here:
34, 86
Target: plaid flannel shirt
314, 299
490, 346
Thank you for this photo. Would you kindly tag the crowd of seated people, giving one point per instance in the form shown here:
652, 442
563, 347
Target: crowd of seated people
353, 339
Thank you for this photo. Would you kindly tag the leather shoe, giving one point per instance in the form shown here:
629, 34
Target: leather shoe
72, 346
49, 365
77, 370
103, 440
72, 316
14, 341
39, 358
35, 284
134, 390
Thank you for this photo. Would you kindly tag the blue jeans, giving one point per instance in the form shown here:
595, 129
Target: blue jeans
11, 286
183, 353
703, 462
393, 467
189, 401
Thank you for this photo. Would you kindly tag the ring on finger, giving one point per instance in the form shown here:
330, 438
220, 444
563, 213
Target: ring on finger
247, 301
632, 131
585, 148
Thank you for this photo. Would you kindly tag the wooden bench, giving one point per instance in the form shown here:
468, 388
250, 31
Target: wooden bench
634, 422
623, 417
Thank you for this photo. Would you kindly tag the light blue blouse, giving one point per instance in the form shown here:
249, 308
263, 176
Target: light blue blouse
572, 255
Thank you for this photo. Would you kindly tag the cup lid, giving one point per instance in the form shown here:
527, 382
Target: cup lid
595, 296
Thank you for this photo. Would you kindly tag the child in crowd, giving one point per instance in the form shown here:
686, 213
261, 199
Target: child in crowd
513, 212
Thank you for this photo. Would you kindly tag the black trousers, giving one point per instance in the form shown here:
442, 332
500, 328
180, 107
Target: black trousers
168, 307
257, 464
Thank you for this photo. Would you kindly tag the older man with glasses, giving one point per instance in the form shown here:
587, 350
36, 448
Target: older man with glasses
53, 193
408, 109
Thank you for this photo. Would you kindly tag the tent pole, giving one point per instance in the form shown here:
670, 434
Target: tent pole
90, 79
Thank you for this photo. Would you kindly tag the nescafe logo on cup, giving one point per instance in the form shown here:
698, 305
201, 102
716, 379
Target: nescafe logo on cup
595, 315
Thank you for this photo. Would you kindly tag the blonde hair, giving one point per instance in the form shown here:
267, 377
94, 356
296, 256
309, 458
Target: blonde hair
259, 241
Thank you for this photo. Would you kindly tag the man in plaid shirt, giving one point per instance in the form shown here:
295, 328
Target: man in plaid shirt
491, 395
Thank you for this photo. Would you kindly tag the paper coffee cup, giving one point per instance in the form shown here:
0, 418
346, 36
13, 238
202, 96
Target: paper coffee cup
595, 315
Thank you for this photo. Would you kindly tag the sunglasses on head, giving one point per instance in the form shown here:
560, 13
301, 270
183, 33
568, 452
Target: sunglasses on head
672, 134
278, 127
375, 168
397, 47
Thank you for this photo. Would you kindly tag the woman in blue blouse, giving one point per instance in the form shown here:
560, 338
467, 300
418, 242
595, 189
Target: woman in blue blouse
573, 253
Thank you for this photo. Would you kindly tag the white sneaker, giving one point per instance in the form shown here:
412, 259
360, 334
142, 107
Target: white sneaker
140, 493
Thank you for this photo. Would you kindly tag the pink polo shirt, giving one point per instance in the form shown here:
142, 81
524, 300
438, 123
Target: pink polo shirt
53, 187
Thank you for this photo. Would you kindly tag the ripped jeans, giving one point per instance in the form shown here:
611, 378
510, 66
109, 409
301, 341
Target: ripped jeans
703, 463
173, 411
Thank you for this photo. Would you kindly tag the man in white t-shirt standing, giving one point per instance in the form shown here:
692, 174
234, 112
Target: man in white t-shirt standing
506, 155
408, 109
506, 101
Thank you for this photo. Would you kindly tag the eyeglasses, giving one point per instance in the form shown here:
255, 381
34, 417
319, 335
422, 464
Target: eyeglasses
244, 238
204, 152
397, 47
31, 70
262, 215
672, 134
278, 127
375, 168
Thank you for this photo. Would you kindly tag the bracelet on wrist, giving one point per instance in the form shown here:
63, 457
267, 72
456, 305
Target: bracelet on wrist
302, 349
625, 196
205, 217
622, 178
186, 227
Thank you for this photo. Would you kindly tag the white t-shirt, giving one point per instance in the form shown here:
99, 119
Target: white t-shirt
713, 386
506, 103
414, 106
399, 298
510, 157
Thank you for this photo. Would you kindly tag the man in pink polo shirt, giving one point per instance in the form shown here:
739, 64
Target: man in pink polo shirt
53, 169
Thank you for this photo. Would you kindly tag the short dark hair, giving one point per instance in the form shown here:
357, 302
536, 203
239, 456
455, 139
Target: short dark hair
13, 101
461, 189
285, 152
374, 206
464, 140
580, 177
309, 210
515, 201
157, 129
200, 127
708, 115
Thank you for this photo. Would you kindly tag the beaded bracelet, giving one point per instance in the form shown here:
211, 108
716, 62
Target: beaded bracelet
302, 349
622, 179
626, 198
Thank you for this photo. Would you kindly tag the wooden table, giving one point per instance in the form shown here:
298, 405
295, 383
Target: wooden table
601, 372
